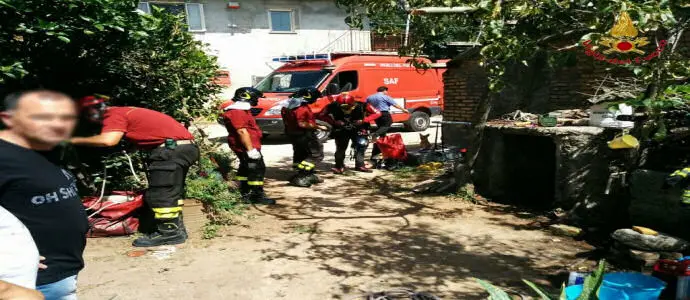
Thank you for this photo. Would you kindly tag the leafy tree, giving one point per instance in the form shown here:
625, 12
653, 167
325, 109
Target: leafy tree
518, 31
105, 47
515, 31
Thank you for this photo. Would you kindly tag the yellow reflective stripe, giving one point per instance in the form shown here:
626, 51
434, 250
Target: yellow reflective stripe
305, 165
166, 216
165, 210
255, 183
241, 178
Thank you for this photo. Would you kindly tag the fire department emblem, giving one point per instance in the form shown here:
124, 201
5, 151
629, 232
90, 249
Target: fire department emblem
623, 37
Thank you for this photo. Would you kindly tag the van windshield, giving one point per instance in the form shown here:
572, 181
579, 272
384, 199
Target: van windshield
288, 82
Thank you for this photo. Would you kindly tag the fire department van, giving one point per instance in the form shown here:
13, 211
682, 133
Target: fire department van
360, 74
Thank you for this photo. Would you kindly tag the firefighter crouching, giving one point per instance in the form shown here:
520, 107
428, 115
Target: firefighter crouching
350, 120
300, 127
679, 177
171, 151
244, 138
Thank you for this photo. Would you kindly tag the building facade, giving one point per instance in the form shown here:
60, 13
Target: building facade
245, 35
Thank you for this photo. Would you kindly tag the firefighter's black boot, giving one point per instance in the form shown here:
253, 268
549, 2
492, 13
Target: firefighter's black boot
244, 191
259, 197
184, 229
314, 179
302, 179
168, 232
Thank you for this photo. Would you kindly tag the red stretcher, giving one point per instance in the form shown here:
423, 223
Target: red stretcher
113, 218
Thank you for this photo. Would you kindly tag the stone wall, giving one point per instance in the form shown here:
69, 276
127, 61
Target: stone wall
653, 207
566, 167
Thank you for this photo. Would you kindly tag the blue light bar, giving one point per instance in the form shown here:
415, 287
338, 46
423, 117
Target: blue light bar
306, 57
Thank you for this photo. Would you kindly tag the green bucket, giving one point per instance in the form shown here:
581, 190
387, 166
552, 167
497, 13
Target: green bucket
547, 121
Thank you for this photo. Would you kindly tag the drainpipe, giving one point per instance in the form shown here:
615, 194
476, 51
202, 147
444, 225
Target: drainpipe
407, 28
443, 10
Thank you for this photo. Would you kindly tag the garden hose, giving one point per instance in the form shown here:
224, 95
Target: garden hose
399, 295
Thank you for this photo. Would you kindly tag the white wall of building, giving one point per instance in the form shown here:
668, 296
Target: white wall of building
243, 42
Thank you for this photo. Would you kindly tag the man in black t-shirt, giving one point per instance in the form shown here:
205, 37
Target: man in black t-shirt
40, 194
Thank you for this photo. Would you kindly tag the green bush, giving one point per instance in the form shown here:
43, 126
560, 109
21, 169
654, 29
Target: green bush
105, 47
206, 184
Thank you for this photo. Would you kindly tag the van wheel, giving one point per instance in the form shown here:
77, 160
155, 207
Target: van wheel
419, 121
322, 135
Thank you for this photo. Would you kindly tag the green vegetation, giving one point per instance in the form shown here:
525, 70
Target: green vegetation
107, 47
205, 183
589, 291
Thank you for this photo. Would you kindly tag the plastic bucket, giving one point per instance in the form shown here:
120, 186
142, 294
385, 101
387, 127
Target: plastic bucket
624, 142
635, 286
623, 286
574, 291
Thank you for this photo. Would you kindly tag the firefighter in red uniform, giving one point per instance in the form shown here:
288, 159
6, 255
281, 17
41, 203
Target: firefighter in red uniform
350, 120
171, 151
300, 127
244, 138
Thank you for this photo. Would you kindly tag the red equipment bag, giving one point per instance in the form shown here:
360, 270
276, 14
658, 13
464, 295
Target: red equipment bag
114, 214
392, 147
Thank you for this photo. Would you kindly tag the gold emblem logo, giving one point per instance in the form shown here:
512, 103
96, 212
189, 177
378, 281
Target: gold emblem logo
623, 37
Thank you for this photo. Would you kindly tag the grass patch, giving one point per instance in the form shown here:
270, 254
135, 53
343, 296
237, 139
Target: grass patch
222, 204
304, 229
209, 231
407, 172
467, 193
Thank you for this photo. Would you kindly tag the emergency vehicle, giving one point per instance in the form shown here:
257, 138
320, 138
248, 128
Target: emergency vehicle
359, 74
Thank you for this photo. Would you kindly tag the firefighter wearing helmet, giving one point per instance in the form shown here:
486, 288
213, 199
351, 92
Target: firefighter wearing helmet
300, 127
244, 138
350, 120
171, 151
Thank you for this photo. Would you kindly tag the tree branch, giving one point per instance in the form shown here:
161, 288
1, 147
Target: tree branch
561, 34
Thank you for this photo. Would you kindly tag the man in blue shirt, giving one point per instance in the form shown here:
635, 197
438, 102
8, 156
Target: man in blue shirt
382, 102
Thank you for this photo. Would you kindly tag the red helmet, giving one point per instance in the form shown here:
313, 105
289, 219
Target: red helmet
89, 101
346, 100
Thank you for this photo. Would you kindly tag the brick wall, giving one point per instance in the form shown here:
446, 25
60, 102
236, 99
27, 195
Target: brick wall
465, 83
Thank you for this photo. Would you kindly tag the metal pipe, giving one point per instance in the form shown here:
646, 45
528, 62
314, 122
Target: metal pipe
443, 10
407, 28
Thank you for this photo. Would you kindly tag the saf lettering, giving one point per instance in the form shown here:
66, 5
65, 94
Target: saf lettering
390, 81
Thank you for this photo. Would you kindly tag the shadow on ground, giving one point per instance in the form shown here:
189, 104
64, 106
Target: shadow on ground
396, 247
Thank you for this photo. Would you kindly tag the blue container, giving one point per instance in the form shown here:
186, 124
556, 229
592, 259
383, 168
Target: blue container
573, 291
624, 286
636, 286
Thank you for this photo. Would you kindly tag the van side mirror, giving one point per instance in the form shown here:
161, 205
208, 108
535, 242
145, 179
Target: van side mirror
332, 89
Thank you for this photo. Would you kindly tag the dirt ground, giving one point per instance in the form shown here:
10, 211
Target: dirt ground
352, 234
